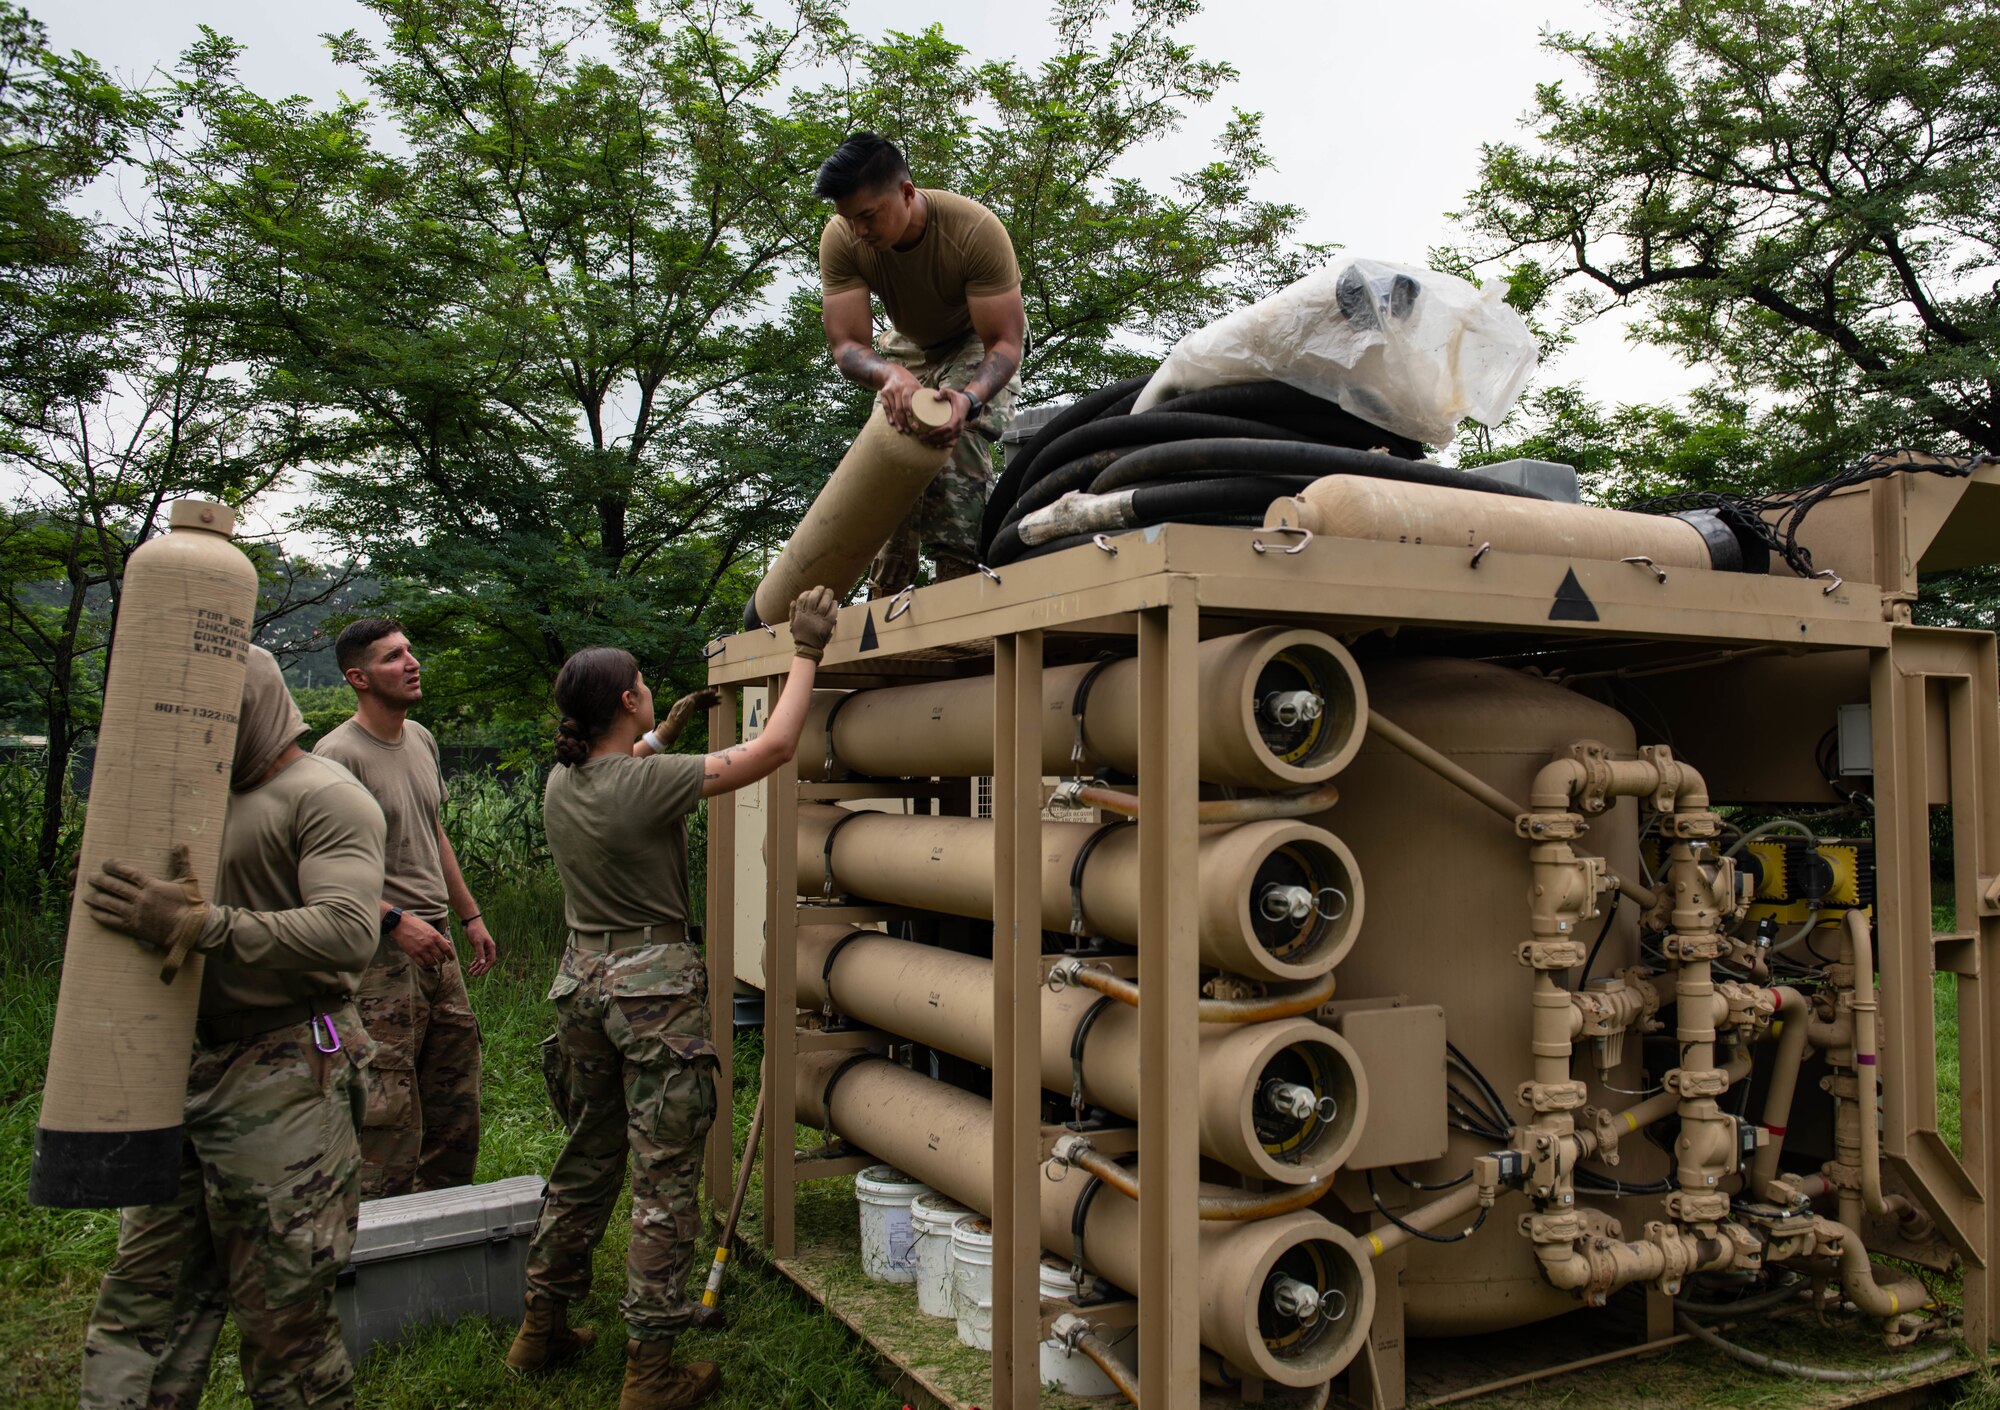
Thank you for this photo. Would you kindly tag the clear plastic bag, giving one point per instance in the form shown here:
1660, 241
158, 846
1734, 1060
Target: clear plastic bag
1411, 350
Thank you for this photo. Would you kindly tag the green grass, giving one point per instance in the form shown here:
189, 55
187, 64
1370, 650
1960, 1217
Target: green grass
779, 1350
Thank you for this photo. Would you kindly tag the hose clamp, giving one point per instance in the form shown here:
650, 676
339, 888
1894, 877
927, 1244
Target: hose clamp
1076, 872
1080, 701
1079, 1214
1068, 796
1076, 1042
826, 856
1305, 537
832, 714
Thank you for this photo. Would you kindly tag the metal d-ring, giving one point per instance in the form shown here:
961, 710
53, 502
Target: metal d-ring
1104, 542
710, 653
769, 628
1831, 588
1305, 537
1640, 560
986, 572
1479, 553
900, 603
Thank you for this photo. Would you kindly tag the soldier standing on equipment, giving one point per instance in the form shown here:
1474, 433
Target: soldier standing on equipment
270, 1170
422, 1127
631, 1064
944, 269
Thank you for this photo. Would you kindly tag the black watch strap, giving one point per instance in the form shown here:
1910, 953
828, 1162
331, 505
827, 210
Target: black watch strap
974, 406
391, 918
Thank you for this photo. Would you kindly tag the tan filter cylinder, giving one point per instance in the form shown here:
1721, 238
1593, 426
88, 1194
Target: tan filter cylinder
109, 1134
870, 492
1279, 900
944, 1137
1356, 507
1252, 1075
1281, 709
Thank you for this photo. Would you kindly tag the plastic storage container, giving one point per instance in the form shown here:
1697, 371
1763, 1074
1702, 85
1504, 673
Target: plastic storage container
972, 1279
435, 1257
888, 1241
931, 1217
1072, 1371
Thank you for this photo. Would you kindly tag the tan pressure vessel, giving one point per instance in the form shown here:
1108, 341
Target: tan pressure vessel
1279, 900
109, 1133
944, 1137
870, 492
1248, 1070
1357, 507
1281, 709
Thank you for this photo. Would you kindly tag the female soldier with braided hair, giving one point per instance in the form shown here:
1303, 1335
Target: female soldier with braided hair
635, 1066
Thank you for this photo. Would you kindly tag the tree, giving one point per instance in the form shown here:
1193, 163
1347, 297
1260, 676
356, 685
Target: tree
557, 326
1804, 197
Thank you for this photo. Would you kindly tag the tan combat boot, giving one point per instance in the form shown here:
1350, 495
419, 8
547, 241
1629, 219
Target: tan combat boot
653, 1382
546, 1339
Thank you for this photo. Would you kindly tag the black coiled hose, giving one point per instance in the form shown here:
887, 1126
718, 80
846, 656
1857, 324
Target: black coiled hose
1215, 456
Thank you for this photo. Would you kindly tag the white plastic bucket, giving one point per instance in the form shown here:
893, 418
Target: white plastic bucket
931, 1216
887, 1240
1072, 1371
972, 1279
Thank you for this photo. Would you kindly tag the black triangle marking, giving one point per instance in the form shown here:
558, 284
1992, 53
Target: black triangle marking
869, 641
1572, 603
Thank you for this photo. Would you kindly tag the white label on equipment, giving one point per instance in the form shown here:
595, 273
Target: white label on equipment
902, 1238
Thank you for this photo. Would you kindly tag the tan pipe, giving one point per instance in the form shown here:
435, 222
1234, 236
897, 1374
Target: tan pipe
945, 728
1283, 1003
1388, 511
1862, 941
944, 1137
1477, 788
945, 1000
1426, 1219
1234, 1206
1793, 1011
870, 492
946, 864
1903, 1294
109, 1133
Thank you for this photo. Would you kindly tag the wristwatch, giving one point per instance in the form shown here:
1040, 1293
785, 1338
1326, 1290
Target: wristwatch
391, 918
973, 407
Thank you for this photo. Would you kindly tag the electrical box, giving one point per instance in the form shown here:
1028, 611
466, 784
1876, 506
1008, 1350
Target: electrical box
437, 1256
1856, 752
1402, 1050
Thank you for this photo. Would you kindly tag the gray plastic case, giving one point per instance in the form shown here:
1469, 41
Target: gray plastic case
435, 1257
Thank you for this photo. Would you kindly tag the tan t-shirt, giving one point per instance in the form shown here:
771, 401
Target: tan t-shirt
617, 829
964, 251
296, 915
406, 781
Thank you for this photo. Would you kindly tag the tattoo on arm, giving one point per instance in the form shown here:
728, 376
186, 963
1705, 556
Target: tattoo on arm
992, 373
862, 364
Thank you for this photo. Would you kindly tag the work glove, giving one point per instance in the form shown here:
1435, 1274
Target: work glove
813, 614
164, 914
683, 710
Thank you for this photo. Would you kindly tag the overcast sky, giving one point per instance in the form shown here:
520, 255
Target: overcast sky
1373, 112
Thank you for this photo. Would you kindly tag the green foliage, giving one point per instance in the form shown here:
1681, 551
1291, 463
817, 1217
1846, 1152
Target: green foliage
543, 304
494, 822
1803, 197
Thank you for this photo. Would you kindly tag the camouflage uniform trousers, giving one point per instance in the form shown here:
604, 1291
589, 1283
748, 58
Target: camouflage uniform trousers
265, 1218
945, 523
422, 1127
630, 1066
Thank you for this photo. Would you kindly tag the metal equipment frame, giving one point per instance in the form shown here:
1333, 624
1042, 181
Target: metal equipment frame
1936, 735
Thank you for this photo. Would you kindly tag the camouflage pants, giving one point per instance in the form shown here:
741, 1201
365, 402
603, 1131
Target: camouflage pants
270, 1189
945, 523
422, 1127
632, 1068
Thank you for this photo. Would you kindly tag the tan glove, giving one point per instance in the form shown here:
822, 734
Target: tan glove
683, 710
813, 615
166, 915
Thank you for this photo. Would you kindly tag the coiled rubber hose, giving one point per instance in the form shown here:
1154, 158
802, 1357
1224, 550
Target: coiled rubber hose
1215, 456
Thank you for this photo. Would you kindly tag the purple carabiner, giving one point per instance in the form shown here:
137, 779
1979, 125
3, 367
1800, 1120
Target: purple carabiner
332, 1044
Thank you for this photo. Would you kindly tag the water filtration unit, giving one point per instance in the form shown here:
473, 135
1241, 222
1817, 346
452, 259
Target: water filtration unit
1425, 915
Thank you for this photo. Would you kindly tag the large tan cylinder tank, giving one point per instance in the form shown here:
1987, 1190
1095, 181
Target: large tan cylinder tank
1448, 901
109, 1133
1281, 709
1279, 900
877, 482
945, 1000
1357, 507
944, 1137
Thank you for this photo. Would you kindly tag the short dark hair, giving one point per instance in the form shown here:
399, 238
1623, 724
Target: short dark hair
864, 162
350, 648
